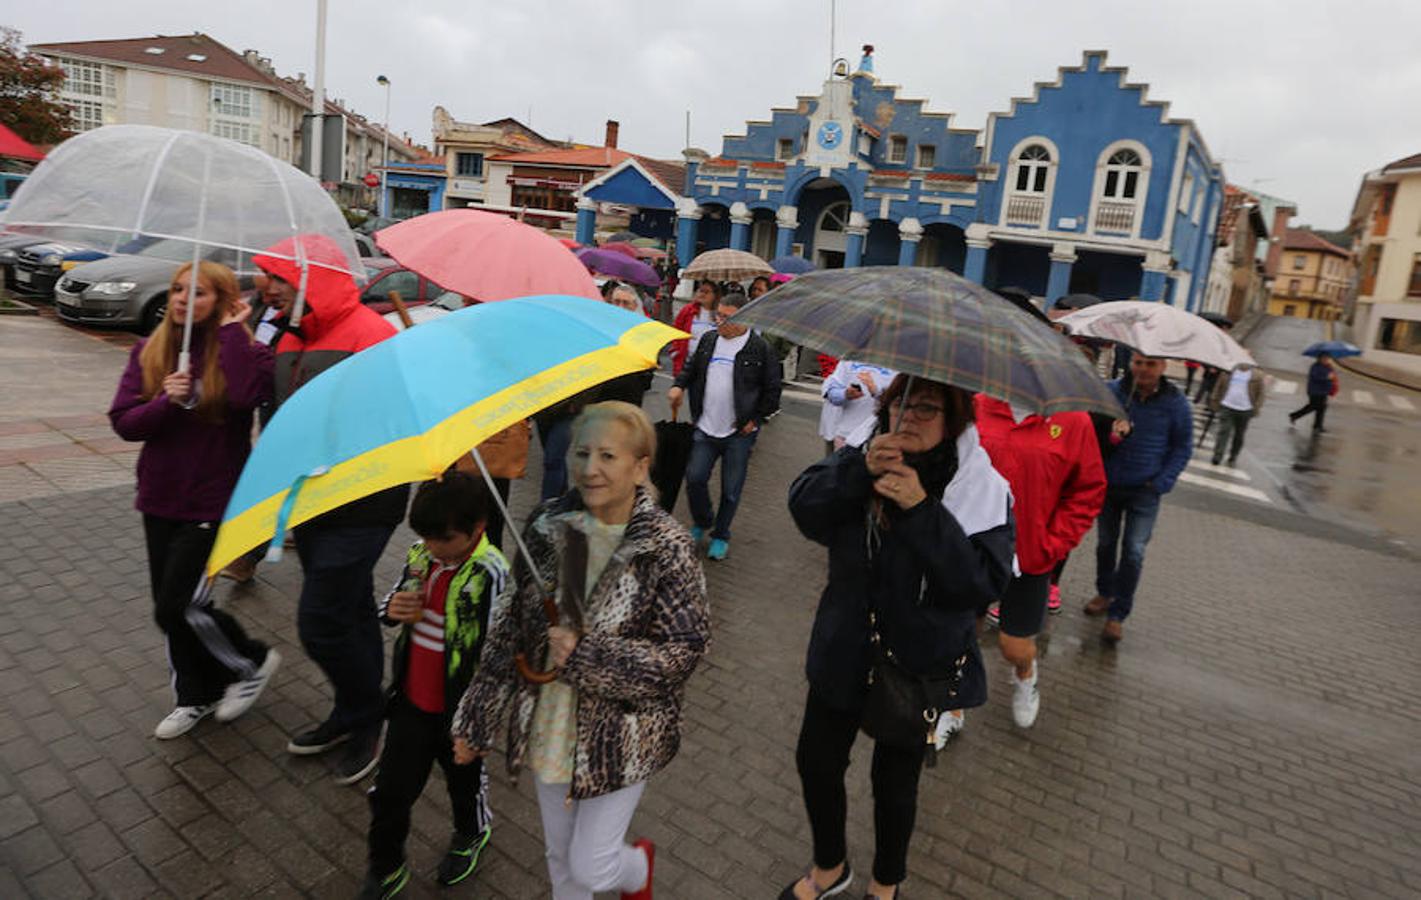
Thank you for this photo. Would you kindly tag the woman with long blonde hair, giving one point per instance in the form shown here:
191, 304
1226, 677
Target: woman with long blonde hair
196, 427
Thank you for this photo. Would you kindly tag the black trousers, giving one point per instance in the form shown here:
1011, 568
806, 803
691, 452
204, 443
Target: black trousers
825, 739
414, 741
1317, 403
207, 649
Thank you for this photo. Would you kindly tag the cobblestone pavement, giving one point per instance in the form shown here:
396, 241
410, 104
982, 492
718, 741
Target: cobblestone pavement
1255, 734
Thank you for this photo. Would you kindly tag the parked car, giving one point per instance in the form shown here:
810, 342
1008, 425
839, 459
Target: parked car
11, 242
386, 275
444, 304
129, 290
38, 267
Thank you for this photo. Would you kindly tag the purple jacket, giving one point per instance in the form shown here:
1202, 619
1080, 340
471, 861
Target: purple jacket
188, 466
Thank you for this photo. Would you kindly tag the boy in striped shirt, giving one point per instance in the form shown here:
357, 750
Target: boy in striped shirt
453, 575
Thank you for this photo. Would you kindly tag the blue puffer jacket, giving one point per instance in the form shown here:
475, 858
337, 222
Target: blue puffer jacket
1160, 442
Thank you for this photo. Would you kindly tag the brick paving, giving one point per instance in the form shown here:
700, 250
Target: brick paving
1255, 734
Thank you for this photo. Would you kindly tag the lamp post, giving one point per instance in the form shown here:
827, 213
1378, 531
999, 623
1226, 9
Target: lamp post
385, 160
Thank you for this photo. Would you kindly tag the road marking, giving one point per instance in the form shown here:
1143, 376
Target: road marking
1364, 397
1284, 387
1238, 490
1203, 464
1401, 402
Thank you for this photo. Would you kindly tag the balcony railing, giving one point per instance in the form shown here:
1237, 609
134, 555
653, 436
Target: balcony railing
1026, 210
1115, 217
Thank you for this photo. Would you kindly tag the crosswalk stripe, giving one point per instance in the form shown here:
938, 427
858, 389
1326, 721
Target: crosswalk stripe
1284, 387
1203, 464
1363, 397
1238, 490
1400, 402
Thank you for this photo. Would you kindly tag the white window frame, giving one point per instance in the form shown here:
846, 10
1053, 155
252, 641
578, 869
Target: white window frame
1013, 167
784, 148
918, 156
1186, 193
1103, 167
89, 92
236, 112
897, 153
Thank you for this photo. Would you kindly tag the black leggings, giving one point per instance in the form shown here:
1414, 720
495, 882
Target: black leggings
825, 739
1317, 403
207, 649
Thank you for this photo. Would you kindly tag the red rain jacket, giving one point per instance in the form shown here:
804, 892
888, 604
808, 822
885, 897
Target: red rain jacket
682, 349
1056, 476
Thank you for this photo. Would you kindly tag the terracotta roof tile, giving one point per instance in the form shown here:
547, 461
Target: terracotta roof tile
948, 176
220, 60
671, 174
1301, 239
586, 157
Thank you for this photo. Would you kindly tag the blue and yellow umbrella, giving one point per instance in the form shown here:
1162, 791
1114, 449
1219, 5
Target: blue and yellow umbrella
407, 408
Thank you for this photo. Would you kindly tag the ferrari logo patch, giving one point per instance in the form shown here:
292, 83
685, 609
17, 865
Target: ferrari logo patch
1054, 431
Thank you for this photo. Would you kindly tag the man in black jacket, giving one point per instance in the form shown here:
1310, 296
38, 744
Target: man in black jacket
734, 383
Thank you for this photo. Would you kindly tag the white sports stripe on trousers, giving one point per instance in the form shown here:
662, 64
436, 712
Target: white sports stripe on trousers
586, 842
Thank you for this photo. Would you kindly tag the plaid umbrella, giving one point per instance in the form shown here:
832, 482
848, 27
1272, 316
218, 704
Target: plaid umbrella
726, 265
934, 324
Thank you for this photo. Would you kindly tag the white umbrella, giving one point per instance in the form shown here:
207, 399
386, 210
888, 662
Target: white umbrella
1158, 329
123, 182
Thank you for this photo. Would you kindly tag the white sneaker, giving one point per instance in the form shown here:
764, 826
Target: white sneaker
1026, 703
240, 695
181, 720
948, 725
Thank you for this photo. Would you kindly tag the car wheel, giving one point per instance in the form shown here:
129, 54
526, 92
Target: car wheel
153, 313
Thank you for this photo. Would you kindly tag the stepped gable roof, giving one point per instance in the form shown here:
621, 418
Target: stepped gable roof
1302, 239
178, 55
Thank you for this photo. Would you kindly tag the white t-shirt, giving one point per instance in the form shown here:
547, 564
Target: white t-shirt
703, 322
718, 408
1236, 397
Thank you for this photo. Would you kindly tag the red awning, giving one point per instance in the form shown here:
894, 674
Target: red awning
16, 147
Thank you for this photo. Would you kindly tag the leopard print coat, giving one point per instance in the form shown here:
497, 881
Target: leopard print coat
650, 627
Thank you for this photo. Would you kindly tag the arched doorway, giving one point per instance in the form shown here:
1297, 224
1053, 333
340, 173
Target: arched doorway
762, 234
943, 246
713, 231
824, 206
831, 240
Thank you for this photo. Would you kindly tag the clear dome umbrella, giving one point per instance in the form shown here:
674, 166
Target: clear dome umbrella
122, 183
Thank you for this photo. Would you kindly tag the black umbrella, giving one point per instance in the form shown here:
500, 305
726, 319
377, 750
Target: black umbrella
621, 237
1021, 299
1218, 319
673, 452
1076, 301
937, 325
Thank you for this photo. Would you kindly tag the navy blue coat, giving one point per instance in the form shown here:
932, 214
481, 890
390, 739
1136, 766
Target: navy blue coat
927, 582
1160, 441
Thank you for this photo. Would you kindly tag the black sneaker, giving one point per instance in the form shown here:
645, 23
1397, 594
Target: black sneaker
360, 756
840, 885
377, 888
318, 740
462, 857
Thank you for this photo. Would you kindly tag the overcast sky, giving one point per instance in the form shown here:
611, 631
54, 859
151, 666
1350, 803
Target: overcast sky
1296, 99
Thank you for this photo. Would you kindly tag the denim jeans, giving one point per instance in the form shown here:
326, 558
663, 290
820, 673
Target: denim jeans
705, 450
336, 617
556, 437
1118, 562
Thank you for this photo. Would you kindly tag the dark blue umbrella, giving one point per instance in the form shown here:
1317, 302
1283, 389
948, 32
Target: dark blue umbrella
1334, 349
792, 265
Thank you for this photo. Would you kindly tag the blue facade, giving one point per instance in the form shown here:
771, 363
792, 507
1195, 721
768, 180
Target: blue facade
861, 176
420, 188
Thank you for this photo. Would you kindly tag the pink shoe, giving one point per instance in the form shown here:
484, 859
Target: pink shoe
1053, 600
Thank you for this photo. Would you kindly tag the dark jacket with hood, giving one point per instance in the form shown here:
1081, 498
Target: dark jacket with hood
926, 572
334, 326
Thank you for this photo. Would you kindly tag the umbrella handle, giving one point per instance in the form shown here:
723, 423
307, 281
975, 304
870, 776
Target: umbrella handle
402, 311
520, 661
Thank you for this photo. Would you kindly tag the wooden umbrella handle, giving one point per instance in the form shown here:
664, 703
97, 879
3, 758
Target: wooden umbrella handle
520, 661
401, 310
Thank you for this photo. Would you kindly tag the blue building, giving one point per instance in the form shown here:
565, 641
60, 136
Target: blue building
1086, 186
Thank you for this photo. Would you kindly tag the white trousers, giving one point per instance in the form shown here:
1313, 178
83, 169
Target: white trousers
586, 846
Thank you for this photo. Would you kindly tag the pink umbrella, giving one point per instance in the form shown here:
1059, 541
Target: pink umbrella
485, 256
625, 249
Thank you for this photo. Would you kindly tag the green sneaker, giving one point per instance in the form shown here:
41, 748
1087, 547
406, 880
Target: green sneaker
377, 888
462, 857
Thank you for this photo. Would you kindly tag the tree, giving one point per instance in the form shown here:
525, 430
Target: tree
29, 91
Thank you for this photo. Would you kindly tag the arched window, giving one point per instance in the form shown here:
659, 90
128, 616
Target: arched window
835, 217
1122, 175
1032, 165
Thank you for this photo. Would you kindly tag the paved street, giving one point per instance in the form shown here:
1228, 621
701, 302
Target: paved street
1254, 735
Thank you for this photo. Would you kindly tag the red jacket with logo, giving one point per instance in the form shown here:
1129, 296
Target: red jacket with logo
1056, 476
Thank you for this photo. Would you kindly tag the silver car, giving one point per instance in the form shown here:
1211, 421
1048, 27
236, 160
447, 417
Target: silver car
128, 290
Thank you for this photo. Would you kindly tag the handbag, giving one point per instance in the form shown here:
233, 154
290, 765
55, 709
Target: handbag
902, 709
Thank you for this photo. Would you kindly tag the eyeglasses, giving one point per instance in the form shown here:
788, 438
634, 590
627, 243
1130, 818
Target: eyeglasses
920, 411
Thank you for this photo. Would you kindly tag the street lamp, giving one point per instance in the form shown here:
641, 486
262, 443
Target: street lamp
385, 163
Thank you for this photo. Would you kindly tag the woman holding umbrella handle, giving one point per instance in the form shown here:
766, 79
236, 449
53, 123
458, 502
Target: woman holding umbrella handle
632, 625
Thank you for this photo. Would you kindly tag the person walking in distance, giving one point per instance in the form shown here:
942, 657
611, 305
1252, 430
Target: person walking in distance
695, 318
850, 399
1322, 384
1236, 399
335, 615
196, 429
734, 384
1152, 447
1058, 481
